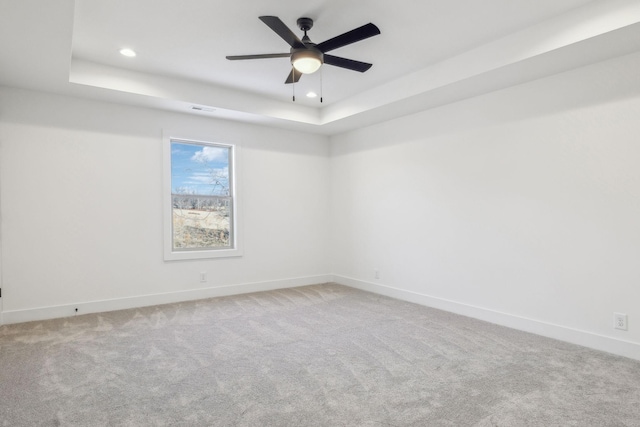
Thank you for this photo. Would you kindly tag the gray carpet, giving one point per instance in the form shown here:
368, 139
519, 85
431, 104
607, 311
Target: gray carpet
323, 355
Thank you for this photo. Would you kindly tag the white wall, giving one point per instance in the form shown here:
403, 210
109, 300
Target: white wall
81, 193
520, 207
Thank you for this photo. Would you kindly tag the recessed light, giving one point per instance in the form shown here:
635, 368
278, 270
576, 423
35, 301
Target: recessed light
128, 52
312, 95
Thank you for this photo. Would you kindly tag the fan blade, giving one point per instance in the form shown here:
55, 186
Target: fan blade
283, 31
349, 64
294, 76
360, 33
261, 56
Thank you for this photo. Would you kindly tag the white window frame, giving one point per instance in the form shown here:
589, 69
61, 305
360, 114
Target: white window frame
236, 245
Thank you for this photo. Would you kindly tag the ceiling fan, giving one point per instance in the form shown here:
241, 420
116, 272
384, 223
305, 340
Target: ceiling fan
306, 56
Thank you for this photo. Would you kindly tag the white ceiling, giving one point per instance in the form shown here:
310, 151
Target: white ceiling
429, 52
191, 39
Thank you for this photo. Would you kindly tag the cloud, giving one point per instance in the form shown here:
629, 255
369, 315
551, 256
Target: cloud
199, 178
210, 154
221, 173
210, 177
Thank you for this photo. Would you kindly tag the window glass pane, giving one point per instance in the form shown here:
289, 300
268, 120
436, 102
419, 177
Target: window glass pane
201, 196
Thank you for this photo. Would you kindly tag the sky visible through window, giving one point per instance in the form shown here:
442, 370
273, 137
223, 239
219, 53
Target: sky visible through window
199, 169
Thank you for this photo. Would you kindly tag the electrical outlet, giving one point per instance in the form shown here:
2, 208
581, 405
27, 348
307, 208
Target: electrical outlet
620, 321
203, 276
376, 273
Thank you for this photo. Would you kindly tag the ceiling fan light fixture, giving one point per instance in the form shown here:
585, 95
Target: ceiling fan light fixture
306, 61
306, 56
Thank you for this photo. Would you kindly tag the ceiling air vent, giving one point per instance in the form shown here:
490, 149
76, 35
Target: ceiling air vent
200, 108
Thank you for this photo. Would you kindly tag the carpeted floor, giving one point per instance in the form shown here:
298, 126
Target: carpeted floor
323, 355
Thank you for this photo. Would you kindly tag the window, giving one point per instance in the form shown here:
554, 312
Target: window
200, 199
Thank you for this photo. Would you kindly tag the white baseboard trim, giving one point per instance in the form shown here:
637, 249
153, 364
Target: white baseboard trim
67, 310
575, 336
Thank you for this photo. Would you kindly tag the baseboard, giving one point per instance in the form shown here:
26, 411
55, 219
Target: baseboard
575, 336
563, 333
67, 310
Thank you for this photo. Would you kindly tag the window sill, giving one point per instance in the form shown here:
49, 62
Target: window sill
204, 254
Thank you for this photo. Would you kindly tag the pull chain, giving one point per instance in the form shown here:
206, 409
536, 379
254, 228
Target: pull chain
293, 84
321, 85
